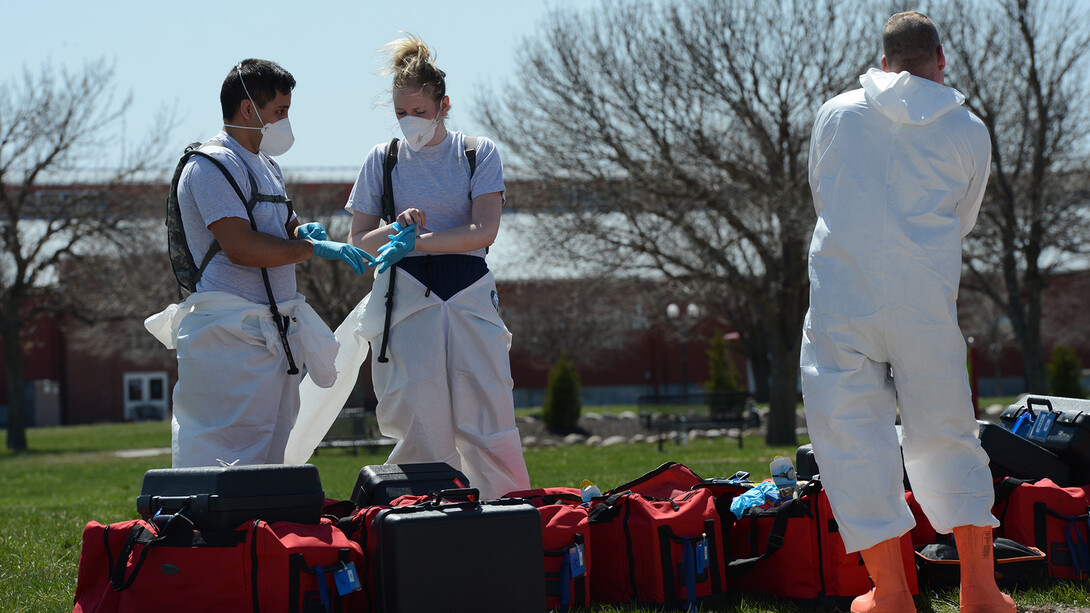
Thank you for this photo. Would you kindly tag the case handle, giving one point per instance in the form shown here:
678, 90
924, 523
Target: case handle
471, 497
1030, 401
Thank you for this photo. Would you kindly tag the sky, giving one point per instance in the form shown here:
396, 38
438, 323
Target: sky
175, 55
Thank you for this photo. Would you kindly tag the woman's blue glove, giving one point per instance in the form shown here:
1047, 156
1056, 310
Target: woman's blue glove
313, 230
400, 245
358, 259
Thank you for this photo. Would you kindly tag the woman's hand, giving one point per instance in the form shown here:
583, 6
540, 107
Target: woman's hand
409, 217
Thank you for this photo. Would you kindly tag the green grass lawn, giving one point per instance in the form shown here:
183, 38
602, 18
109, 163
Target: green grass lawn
73, 475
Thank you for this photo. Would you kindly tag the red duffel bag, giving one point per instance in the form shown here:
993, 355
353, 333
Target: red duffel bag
795, 551
565, 533
281, 567
1051, 518
656, 551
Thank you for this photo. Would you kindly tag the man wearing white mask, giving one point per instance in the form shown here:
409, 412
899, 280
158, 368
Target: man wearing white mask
244, 334
442, 373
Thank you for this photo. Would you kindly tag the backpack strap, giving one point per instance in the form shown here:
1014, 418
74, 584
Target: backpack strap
388, 163
249, 204
388, 215
471, 154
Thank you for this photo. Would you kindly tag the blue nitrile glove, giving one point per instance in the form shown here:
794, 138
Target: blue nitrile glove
313, 230
753, 497
358, 259
400, 245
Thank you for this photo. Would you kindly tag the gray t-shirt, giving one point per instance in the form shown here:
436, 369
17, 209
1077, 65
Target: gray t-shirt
205, 196
434, 180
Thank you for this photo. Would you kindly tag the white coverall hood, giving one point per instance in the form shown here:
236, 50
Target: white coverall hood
907, 99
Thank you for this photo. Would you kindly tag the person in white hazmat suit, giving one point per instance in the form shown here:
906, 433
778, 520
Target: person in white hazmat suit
445, 393
235, 401
898, 170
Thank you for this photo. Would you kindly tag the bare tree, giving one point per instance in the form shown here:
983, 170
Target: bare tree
682, 131
1021, 65
54, 123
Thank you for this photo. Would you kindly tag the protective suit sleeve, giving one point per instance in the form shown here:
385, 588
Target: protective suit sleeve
817, 145
969, 208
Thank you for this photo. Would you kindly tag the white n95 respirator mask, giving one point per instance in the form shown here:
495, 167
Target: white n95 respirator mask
417, 130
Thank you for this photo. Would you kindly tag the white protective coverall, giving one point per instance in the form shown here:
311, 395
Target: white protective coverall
234, 399
445, 394
898, 171
319, 406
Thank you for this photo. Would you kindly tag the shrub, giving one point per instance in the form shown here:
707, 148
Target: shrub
723, 376
1065, 373
562, 405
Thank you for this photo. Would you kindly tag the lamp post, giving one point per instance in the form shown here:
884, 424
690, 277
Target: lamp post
683, 321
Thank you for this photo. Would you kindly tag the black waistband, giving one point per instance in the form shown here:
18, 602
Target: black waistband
445, 274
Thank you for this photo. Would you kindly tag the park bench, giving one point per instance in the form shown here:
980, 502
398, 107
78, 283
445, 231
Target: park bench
353, 428
724, 410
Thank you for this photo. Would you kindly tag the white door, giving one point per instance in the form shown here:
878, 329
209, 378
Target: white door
146, 395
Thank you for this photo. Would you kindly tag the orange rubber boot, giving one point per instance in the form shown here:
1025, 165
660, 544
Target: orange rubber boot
979, 593
887, 572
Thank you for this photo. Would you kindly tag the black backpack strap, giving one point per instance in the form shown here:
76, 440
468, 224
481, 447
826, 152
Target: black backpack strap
388, 163
471, 154
249, 204
388, 215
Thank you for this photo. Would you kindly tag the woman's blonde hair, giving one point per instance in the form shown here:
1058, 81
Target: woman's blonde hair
412, 65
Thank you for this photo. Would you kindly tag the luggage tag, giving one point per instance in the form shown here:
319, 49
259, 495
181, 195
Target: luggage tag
1042, 426
575, 560
702, 555
347, 579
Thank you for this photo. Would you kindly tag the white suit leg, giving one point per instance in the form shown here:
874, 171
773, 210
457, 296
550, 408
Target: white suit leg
480, 379
850, 414
414, 397
946, 465
286, 415
227, 400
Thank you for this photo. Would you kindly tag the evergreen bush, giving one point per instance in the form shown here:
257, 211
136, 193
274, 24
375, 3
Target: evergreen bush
1065, 373
562, 404
723, 376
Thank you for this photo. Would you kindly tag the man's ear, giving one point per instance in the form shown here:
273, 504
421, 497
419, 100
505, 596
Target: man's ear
246, 109
885, 66
941, 58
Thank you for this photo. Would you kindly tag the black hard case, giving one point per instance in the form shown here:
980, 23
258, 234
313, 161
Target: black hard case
1069, 434
382, 483
806, 467
469, 556
222, 497
1010, 455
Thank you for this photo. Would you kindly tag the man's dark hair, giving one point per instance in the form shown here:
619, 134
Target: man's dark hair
263, 79
910, 40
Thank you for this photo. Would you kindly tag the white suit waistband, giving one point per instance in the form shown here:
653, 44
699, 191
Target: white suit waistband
319, 346
410, 296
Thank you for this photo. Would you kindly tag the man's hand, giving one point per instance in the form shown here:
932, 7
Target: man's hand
313, 230
358, 259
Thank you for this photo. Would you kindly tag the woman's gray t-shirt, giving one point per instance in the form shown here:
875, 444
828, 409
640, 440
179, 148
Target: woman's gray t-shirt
435, 180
